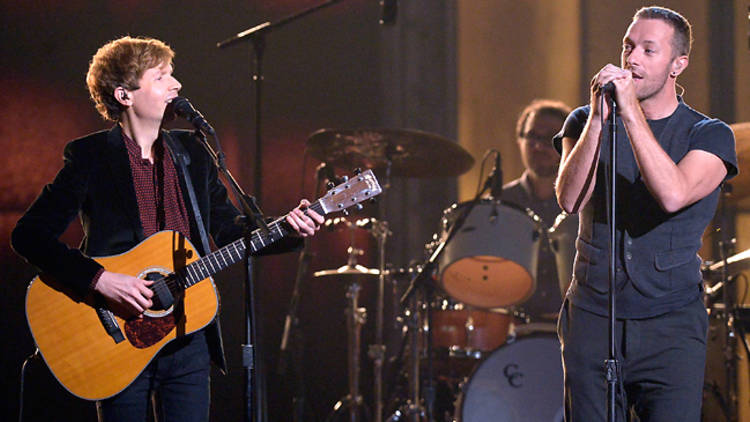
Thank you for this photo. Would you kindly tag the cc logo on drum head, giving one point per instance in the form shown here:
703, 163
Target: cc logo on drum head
513, 375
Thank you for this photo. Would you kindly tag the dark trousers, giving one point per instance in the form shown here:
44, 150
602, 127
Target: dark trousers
179, 375
662, 362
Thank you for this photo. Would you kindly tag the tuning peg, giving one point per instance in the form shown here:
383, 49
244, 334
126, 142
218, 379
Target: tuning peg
359, 207
345, 211
344, 179
373, 200
357, 171
330, 185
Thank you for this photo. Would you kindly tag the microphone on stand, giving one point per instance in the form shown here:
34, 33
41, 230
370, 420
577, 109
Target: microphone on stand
495, 179
184, 109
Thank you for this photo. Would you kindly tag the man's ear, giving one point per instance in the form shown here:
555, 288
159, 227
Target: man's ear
679, 64
123, 96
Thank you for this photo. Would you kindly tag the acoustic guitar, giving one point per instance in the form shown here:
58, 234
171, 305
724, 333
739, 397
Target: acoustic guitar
95, 354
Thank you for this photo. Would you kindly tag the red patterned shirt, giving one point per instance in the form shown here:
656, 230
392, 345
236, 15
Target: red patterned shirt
157, 191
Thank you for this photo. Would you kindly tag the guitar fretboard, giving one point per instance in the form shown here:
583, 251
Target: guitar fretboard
216, 261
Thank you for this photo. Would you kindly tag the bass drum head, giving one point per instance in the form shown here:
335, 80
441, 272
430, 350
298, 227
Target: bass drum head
521, 381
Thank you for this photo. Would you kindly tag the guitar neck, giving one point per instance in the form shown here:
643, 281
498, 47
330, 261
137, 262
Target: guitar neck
235, 251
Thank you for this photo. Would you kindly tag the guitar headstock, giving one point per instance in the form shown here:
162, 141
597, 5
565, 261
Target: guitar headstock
359, 188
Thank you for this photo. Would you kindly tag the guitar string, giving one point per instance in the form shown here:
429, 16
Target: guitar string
182, 273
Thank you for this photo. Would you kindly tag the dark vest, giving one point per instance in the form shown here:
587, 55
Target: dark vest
658, 268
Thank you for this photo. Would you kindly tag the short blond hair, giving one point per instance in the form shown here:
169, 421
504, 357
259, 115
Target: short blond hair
121, 63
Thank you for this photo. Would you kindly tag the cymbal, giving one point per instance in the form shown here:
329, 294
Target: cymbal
348, 270
411, 153
735, 264
741, 183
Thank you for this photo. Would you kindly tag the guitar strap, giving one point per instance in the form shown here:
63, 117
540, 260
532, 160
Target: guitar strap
181, 157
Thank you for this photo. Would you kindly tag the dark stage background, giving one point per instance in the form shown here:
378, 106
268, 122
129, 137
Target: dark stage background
336, 68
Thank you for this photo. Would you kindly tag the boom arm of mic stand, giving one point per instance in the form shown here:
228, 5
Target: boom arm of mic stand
265, 27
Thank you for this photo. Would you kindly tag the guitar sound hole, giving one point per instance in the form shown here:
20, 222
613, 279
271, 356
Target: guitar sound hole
155, 277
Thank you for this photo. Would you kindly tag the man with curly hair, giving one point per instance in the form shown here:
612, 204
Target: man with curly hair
125, 186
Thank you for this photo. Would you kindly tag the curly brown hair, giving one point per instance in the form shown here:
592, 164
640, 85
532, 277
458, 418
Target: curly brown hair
121, 63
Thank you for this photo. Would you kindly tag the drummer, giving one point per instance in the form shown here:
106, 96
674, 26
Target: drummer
535, 190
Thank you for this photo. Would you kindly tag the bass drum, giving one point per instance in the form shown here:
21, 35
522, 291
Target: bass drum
521, 381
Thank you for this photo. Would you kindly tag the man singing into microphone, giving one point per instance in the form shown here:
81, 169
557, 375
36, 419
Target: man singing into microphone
125, 186
671, 161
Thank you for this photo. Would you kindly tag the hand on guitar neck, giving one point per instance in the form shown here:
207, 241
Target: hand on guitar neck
304, 220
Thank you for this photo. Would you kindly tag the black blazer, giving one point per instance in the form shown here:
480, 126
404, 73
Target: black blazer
96, 184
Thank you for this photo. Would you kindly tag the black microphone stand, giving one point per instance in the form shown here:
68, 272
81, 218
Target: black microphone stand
252, 215
291, 322
611, 364
250, 357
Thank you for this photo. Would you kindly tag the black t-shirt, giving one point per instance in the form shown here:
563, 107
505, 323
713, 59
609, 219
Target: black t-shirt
709, 135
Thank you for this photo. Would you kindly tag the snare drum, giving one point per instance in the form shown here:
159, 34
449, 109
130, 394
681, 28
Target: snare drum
519, 382
466, 332
491, 260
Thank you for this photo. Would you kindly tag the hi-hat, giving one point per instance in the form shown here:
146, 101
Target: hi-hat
411, 153
348, 270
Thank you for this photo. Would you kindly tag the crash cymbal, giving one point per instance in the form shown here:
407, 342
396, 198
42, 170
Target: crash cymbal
411, 153
741, 184
348, 270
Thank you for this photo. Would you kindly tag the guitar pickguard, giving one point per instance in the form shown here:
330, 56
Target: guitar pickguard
147, 331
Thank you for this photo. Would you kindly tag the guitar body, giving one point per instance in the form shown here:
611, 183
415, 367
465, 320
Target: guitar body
86, 359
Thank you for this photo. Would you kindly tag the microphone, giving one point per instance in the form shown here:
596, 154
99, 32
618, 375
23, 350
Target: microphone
389, 12
496, 178
609, 88
184, 109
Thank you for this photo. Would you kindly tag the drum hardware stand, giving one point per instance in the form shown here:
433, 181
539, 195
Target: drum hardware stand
725, 246
421, 280
376, 351
355, 319
413, 408
250, 355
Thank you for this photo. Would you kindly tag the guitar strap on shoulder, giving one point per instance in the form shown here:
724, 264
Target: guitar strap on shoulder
181, 157
213, 331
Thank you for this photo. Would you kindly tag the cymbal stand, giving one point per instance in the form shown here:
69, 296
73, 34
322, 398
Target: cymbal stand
413, 409
729, 335
355, 319
376, 351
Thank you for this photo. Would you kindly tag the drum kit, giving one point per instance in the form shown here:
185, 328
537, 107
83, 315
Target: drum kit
729, 313
465, 353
